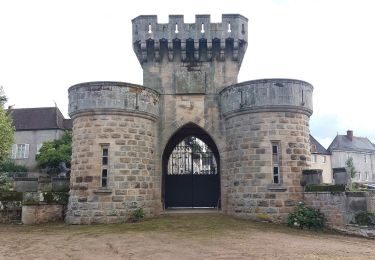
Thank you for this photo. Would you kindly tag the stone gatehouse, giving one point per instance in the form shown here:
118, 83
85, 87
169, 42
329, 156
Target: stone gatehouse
126, 136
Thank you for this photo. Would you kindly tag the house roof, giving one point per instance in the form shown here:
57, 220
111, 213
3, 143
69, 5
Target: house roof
39, 118
316, 147
358, 144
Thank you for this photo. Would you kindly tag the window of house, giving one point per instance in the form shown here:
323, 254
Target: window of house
366, 176
358, 176
365, 158
313, 158
324, 159
276, 162
105, 163
20, 151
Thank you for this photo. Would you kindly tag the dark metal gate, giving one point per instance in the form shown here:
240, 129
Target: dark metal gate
192, 178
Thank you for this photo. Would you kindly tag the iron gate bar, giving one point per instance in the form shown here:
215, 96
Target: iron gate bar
192, 178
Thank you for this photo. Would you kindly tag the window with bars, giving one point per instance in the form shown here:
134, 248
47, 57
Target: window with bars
20, 151
104, 164
276, 162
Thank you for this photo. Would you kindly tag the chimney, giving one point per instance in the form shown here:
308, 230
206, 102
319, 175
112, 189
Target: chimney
349, 134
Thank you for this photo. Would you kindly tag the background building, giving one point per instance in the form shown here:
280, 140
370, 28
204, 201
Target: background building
360, 149
321, 159
33, 127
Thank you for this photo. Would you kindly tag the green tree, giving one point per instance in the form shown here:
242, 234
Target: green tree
350, 165
352, 171
6, 129
52, 153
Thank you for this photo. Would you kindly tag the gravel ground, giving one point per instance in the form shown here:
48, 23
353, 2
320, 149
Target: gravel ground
203, 236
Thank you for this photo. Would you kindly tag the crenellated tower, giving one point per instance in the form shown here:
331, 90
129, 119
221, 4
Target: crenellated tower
181, 58
129, 149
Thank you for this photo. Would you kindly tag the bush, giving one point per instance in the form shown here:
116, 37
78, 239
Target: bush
137, 215
11, 196
306, 217
52, 153
9, 166
365, 219
5, 182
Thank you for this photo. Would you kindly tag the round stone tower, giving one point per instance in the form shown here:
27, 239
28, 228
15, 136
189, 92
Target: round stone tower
113, 156
267, 137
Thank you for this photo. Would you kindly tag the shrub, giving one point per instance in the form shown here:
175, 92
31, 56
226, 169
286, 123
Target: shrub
9, 166
304, 216
5, 182
138, 215
365, 219
52, 153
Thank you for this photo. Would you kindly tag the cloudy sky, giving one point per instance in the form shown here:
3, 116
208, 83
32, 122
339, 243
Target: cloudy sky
47, 46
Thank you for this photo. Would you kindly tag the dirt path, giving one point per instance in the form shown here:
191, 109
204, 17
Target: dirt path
178, 237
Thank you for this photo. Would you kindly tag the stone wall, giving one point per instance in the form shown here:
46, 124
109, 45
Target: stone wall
38, 214
338, 208
251, 191
132, 180
10, 212
25, 184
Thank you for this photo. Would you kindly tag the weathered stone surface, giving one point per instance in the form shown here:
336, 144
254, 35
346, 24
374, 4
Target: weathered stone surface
37, 214
191, 79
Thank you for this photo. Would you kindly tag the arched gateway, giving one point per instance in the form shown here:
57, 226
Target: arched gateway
191, 170
243, 146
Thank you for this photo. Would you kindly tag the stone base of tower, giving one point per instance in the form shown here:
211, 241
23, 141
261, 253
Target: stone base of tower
131, 181
252, 191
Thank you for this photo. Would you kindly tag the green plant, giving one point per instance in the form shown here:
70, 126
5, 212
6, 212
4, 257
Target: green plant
304, 216
138, 214
365, 219
56, 197
7, 128
5, 182
9, 165
52, 153
350, 165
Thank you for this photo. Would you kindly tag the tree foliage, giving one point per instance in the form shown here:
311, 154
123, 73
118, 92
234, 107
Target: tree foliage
6, 129
350, 165
52, 153
9, 165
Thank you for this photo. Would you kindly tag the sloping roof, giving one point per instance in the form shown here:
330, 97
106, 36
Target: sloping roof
319, 149
39, 118
68, 124
359, 144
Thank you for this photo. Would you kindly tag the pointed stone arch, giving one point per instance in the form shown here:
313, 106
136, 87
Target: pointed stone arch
189, 129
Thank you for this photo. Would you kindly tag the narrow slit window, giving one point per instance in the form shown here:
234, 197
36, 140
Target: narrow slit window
276, 174
202, 31
104, 168
176, 31
149, 28
276, 162
229, 29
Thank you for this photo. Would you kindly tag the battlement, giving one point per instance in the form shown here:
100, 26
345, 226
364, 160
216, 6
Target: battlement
190, 42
